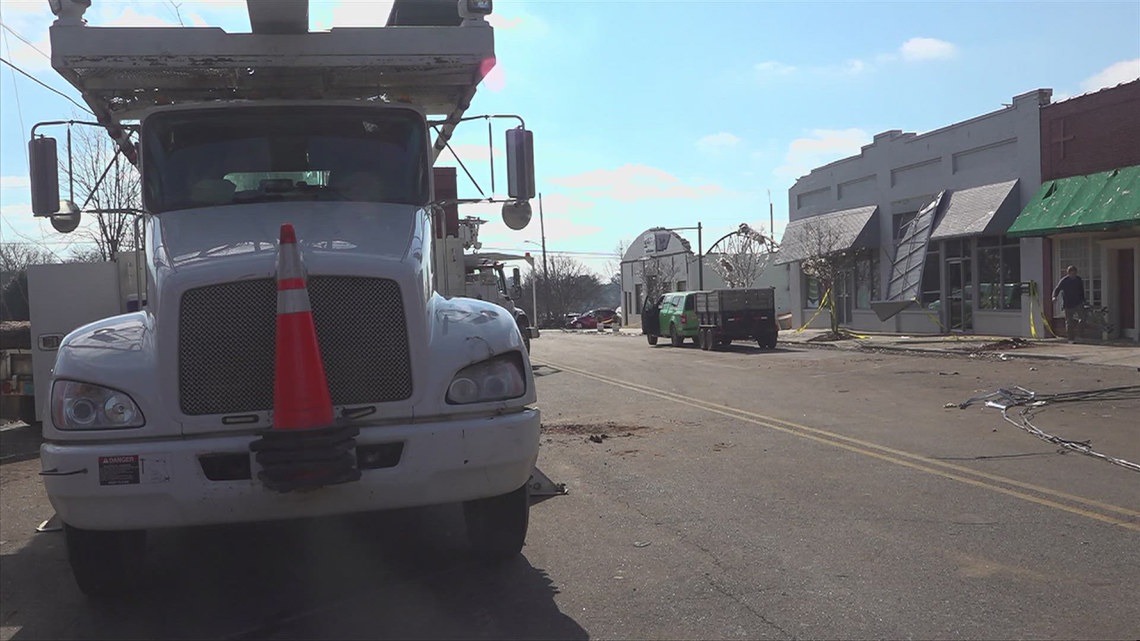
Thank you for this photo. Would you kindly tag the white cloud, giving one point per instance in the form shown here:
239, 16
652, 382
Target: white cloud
919, 49
855, 67
15, 182
715, 142
821, 147
771, 68
1112, 75
32, 58
634, 182
499, 21
564, 217
469, 154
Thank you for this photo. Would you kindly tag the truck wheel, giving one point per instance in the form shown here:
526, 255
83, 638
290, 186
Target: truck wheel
675, 337
105, 564
496, 526
652, 338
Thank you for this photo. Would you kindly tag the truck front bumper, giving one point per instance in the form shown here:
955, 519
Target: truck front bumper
165, 483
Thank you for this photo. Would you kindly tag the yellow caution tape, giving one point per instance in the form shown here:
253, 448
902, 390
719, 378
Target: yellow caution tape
1032, 306
1033, 296
822, 303
937, 321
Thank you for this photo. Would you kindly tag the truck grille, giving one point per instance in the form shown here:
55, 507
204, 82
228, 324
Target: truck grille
226, 343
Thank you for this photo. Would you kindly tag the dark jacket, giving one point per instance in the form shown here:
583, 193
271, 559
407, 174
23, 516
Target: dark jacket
1072, 290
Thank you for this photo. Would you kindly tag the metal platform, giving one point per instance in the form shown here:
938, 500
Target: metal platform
130, 69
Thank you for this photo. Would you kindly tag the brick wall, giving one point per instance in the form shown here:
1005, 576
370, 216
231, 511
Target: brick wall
1092, 133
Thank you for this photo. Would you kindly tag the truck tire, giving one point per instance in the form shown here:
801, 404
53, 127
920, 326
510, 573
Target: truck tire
652, 338
675, 337
105, 564
496, 526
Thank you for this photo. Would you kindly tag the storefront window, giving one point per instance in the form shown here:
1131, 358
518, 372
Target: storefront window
866, 280
999, 273
1083, 253
931, 280
811, 292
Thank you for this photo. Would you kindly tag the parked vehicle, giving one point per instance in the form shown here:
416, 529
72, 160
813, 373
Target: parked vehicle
167, 416
595, 318
725, 315
673, 315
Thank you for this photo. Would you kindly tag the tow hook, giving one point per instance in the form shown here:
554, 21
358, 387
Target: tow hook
306, 459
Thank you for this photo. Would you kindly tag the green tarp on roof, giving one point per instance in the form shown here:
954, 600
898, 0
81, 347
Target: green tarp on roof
1096, 202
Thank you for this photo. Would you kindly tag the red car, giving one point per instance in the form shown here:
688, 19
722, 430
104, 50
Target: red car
595, 317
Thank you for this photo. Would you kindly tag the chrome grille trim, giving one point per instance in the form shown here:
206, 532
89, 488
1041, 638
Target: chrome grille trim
226, 337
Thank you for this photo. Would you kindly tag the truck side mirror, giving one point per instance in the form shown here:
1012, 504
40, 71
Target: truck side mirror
520, 163
67, 220
516, 214
43, 167
516, 279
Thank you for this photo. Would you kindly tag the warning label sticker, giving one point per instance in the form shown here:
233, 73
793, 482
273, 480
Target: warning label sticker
119, 470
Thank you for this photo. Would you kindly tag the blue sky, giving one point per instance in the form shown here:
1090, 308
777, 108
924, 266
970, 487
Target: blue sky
668, 113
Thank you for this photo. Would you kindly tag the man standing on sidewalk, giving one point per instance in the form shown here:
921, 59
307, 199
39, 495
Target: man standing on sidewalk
1072, 290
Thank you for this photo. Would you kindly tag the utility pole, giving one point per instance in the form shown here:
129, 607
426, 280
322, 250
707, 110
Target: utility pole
771, 218
545, 270
700, 260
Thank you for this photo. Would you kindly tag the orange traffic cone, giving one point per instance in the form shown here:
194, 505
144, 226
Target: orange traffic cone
300, 390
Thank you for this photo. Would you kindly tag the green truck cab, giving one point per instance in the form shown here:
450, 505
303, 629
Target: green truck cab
673, 315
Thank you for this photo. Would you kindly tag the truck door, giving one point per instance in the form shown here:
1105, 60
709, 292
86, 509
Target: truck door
651, 316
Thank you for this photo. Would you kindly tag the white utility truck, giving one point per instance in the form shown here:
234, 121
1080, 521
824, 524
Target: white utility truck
153, 414
486, 279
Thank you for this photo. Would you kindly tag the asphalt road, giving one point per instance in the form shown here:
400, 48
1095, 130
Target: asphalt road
801, 493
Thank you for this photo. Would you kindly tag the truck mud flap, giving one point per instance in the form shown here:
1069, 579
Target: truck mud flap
299, 460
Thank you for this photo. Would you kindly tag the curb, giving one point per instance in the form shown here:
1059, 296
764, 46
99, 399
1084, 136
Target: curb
868, 346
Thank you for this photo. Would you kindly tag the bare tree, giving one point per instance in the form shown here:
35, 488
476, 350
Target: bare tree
85, 254
743, 257
14, 261
113, 197
658, 274
569, 287
829, 258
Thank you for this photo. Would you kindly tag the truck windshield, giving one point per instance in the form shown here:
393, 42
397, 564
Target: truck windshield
216, 157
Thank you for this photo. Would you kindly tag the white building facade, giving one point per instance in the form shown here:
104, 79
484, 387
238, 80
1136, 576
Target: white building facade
667, 256
928, 214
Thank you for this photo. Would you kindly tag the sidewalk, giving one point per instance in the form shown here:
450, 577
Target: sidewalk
1119, 354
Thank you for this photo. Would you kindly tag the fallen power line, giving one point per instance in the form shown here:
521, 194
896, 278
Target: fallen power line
1030, 403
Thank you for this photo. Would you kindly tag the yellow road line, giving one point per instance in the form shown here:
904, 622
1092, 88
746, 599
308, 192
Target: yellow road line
899, 457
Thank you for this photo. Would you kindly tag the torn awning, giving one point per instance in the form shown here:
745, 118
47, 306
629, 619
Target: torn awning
1094, 202
987, 210
834, 231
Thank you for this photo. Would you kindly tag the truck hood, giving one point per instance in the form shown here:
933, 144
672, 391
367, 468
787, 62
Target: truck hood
198, 235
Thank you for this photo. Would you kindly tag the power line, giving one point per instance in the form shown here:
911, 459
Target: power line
563, 252
16, 92
46, 86
24, 40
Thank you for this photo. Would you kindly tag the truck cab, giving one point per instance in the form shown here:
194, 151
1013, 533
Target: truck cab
154, 415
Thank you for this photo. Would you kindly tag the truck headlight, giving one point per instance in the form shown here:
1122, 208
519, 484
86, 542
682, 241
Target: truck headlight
495, 379
83, 406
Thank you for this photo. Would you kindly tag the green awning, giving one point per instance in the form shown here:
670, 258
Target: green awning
1096, 202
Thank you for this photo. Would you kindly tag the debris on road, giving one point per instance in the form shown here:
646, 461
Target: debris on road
1030, 403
